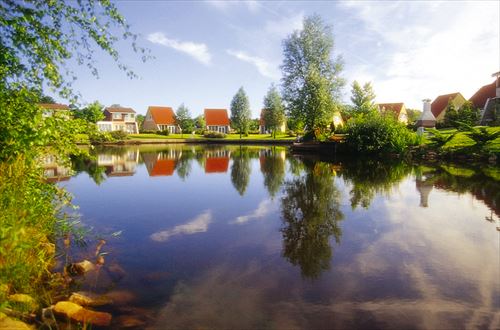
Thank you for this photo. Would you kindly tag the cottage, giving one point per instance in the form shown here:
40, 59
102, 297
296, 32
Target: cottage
397, 110
486, 98
160, 119
49, 109
118, 119
263, 129
439, 105
217, 120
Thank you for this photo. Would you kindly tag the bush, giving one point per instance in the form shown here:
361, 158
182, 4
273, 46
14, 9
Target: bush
119, 135
199, 131
147, 131
374, 133
214, 135
165, 132
100, 137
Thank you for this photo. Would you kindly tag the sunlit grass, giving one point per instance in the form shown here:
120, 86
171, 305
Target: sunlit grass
265, 137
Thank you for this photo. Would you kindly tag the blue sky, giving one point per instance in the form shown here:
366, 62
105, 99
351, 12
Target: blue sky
205, 50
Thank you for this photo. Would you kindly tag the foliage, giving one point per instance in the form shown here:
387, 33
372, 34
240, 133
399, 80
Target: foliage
438, 139
311, 213
374, 133
481, 135
214, 135
183, 119
311, 81
240, 112
140, 121
119, 135
253, 128
273, 170
467, 114
413, 115
274, 111
362, 97
199, 122
91, 113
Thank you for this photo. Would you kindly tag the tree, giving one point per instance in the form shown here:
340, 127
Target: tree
183, 119
363, 98
413, 115
240, 170
311, 81
199, 122
274, 111
91, 113
240, 112
140, 121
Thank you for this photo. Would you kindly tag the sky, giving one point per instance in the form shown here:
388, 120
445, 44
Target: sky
204, 51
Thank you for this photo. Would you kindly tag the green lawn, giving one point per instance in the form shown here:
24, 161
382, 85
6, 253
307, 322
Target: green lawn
266, 137
461, 140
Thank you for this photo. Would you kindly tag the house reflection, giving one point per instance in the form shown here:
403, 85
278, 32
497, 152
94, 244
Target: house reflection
162, 163
53, 171
119, 164
217, 161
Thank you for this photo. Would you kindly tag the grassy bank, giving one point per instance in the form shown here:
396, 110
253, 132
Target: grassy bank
232, 137
462, 142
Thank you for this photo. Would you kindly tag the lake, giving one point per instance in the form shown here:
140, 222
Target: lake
230, 237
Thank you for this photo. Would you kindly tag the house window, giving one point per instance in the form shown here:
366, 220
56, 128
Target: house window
117, 115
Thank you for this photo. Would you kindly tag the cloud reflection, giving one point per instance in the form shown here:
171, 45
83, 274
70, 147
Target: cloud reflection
264, 208
197, 225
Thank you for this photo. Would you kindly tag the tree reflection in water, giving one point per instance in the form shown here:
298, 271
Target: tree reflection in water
272, 166
311, 212
240, 170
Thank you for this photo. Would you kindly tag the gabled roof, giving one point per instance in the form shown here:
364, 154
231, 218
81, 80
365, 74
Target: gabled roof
483, 94
216, 164
120, 109
54, 106
162, 115
216, 117
441, 102
393, 107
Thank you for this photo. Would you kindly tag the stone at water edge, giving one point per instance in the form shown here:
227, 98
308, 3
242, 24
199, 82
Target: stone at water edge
26, 301
89, 299
7, 323
80, 268
78, 313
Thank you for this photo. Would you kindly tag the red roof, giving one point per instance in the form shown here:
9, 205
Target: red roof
163, 167
216, 164
162, 115
393, 107
54, 106
216, 117
483, 94
120, 109
441, 102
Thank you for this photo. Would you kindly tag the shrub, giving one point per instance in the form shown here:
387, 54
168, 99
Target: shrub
374, 133
119, 135
164, 132
100, 137
291, 134
214, 135
200, 131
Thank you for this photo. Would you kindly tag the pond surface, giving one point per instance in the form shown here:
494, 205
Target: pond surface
229, 237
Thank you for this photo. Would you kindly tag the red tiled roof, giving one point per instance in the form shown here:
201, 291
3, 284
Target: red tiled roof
54, 106
163, 167
393, 107
483, 94
162, 115
216, 164
216, 117
120, 109
441, 102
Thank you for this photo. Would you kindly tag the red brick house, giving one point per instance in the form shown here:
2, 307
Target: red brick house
217, 120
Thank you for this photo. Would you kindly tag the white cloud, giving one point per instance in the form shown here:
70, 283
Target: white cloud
198, 51
225, 5
284, 26
429, 49
265, 68
264, 208
197, 225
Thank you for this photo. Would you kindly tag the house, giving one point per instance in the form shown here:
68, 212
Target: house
486, 98
217, 161
49, 109
216, 120
162, 163
160, 119
118, 119
398, 110
439, 105
263, 129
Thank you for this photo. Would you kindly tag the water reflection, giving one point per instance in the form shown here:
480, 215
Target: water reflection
311, 214
252, 237
54, 170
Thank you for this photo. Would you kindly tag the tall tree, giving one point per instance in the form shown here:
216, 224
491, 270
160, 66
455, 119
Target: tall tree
199, 122
91, 113
240, 112
274, 111
311, 78
183, 119
363, 98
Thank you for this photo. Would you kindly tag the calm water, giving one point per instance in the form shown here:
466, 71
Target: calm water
254, 238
